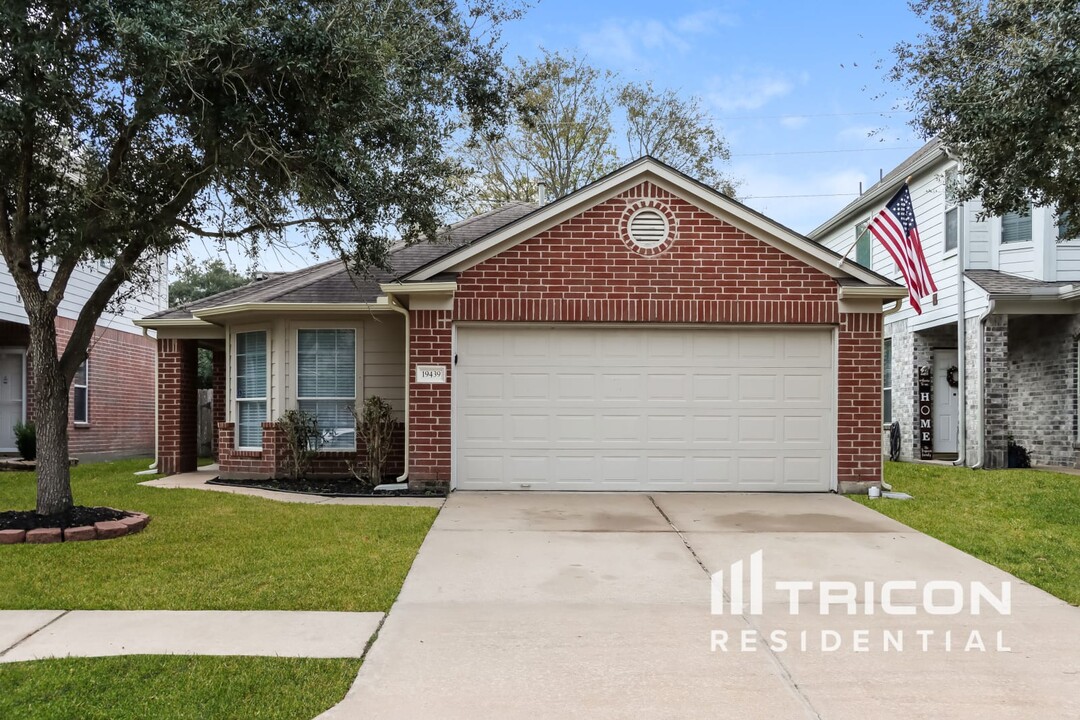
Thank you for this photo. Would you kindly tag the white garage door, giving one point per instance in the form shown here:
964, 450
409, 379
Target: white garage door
644, 409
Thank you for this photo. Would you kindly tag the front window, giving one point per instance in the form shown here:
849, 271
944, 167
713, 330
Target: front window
886, 381
326, 383
1016, 227
1067, 229
251, 370
81, 401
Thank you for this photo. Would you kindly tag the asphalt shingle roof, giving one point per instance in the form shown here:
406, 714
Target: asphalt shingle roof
996, 282
331, 281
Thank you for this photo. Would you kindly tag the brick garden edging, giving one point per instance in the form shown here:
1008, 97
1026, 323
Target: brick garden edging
103, 530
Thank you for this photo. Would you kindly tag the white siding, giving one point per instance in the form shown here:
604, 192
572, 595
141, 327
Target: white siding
977, 238
83, 281
384, 359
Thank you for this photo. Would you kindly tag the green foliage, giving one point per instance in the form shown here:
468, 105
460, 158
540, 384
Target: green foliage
562, 133
999, 83
26, 440
195, 281
173, 687
301, 431
375, 425
1022, 521
212, 551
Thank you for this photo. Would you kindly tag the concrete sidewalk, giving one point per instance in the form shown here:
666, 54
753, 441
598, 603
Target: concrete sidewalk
198, 481
543, 605
37, 634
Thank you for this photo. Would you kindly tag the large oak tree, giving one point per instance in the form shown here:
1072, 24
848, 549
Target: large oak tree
126, 126
999, 83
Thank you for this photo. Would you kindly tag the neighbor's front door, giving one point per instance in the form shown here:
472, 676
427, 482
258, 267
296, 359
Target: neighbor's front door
11, 397
946, 403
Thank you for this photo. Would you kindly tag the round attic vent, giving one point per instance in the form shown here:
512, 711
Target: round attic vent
648, 228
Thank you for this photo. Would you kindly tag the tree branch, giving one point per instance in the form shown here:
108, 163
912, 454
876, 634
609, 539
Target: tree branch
255, 227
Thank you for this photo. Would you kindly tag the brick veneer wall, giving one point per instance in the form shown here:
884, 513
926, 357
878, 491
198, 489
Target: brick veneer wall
271, 462
859, 400
1042, 386
177, 405
217, 398
996, 390
585, 270
429, 404
121, 392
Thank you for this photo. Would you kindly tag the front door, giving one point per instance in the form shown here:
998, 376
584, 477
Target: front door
946, 403
12, 397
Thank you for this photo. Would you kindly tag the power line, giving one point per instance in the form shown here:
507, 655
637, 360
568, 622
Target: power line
773, 197
883, 113
824, 152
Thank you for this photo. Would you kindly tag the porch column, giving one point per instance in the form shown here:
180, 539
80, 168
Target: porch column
429, 402
996, 391
178, 365
859, 403
218, 399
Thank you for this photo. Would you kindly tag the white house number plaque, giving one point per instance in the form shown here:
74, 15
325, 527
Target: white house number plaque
430, 373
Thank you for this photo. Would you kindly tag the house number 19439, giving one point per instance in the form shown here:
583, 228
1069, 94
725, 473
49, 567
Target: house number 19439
430, 373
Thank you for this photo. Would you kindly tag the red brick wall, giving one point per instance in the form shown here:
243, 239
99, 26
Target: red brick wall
859, 399
429, 404
270, 462
217, 398
121, 394
177, 405
585, 270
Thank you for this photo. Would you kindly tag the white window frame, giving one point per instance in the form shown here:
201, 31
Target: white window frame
86, 395
886, 357
357, 359
951, 205
1017, 243
236, 401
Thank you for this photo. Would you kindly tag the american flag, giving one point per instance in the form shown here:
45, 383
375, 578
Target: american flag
895, 228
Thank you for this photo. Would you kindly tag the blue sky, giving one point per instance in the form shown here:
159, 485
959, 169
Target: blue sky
796, 87
781, 78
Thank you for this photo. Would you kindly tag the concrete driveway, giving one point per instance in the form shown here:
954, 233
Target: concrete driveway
537, 605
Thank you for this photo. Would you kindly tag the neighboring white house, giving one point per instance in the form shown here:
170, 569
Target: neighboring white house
112, 401
1021, 298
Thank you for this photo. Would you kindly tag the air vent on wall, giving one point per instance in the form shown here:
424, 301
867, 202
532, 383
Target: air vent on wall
648, 228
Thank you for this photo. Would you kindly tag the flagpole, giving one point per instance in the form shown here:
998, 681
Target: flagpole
851, 247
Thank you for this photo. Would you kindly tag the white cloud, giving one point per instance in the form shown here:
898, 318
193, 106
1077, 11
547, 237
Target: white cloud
746, 92
794, 122
624, 41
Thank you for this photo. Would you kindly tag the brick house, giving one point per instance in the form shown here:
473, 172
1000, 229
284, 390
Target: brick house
643, 333
1010, 368
111, 406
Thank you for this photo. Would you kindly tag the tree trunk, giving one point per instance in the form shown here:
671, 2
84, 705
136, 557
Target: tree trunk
51, 389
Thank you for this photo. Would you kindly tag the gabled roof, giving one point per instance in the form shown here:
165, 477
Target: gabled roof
680, 184
331, 281
927, 156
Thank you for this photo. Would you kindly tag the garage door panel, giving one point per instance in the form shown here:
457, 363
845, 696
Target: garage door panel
644, 409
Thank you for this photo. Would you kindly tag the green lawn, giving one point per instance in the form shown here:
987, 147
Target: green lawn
173, 688
1026, 522
211, 551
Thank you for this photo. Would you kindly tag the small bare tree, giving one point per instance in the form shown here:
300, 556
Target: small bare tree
301, 431
375, 425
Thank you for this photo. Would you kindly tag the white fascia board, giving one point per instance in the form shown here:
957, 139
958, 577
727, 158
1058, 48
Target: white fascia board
279, 308
741, 218
417, 288
154, 323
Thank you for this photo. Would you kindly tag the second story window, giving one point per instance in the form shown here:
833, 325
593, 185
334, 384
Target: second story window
864, 246
952, 212
1016, 227
1068, 229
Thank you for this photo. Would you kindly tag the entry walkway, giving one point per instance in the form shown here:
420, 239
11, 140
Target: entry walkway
39, 634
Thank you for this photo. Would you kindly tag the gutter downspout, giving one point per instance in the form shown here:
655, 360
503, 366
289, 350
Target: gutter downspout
157, 400
398, 307
980, 420
961, 344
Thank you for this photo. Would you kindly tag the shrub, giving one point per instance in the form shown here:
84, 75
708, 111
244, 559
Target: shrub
375, 424
301, 431
26, 440
1018, 456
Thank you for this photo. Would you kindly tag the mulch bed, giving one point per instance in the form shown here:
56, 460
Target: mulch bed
329, 488
78, 516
